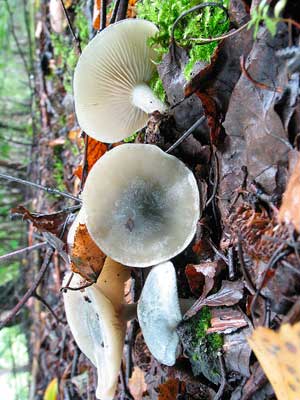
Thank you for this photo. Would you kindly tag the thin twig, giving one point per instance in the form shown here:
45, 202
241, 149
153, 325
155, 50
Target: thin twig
220, 393
66, 288
114, 13
216, 179
218, 38
41, 187
122, 10
103, 15
22, 251
76, 40
186, 134
31, 290
46, 304
250, 285
256, 83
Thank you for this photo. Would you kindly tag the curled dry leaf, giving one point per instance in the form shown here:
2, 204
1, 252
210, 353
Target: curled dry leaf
95, 150
279, 354
201, 277
289, 212
43, 222
137, 384
86, 258
229, 294
171, 389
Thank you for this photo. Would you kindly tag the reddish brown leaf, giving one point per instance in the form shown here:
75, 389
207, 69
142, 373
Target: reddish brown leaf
171, 389
226, 320
201, 277
86, 257
96, 14
43, 222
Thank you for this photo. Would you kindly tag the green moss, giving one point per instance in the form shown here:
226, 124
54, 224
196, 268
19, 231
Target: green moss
209, 22
131, 138
214, 341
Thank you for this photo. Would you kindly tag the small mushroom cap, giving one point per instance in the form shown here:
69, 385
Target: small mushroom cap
110, 67
159, 313
141, 204
98, 331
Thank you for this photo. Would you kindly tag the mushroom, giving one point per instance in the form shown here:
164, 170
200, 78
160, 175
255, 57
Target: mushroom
159, 312
97, 318
111, 92
141, 205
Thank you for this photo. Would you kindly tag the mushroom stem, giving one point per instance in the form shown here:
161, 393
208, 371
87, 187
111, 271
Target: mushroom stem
144, 98
186, 304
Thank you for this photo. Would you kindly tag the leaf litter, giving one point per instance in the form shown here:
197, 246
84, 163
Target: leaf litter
242, 269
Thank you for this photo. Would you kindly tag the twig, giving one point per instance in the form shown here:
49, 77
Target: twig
122, 10
114, 13
256, 83
46, 304
41, 187
219, 395
103, 15
31, 290
186, 134
216, 179
76, 40
21, 251
218, 38
66, 288
250, 285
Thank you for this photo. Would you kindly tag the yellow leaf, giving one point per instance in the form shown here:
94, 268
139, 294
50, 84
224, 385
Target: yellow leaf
51, 392
279, 355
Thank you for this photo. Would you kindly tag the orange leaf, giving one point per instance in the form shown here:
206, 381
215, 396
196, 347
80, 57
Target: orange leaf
96, 14
86, 257
290, 208
171, 389
95, 150
279, 355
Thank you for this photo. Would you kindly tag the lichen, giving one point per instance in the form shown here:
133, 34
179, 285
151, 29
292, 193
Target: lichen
209, 22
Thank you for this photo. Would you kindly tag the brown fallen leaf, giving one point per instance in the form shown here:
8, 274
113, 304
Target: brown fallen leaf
171, 389
86, 257
279, 354
43, 222
229, 294
226, 320
95, 150
289, 212
201, 277
137, 384
96, 14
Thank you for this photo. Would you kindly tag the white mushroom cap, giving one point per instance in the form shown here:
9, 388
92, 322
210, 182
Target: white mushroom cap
159, 313
112, 99
98, 331
141, 204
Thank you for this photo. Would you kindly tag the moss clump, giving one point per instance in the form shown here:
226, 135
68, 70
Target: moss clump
201, 348
207, 23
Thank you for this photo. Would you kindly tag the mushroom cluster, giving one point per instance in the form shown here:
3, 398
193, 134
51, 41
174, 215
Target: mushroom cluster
140, 206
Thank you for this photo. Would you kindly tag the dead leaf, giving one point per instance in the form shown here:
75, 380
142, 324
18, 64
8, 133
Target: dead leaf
279, 354
229, 294
96, 15
51, 392
43, 222
95, 150
226, 320
201, 277
137, 384
171, 389
86, 257
237, 352
289, 212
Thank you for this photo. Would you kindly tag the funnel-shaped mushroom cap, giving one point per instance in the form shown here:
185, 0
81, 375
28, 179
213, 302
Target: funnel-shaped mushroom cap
159, 313
141, 204
111, 97
98, 331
